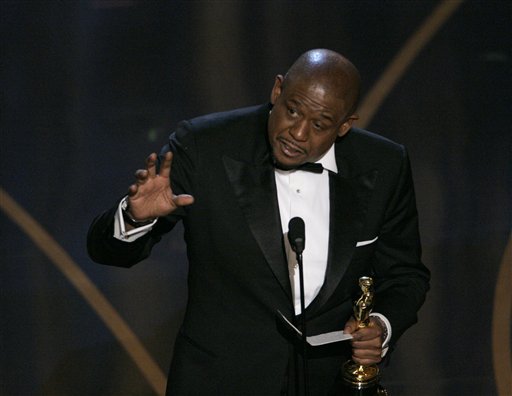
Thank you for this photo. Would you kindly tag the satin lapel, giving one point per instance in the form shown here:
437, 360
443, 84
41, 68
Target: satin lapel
255, 189
349, 200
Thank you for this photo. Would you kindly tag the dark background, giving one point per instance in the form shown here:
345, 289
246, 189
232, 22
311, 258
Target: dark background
90, 88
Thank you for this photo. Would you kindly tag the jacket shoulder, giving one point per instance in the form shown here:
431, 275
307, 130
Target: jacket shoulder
361, 151
367, 138
371, 145
225, 119
235, 133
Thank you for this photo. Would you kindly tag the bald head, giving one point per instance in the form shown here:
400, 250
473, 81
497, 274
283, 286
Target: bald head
330, 70
313, 106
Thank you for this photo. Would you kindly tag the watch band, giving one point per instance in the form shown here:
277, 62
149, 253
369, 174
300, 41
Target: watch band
129, 219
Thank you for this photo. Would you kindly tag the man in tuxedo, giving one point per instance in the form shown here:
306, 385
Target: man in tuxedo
236, 180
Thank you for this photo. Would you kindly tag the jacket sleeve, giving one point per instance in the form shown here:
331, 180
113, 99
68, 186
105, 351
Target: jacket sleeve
401, 279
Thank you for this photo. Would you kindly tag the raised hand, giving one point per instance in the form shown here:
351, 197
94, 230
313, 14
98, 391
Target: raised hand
151, 195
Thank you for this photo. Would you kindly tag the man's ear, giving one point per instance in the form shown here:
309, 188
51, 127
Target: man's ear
347, 124
277, 89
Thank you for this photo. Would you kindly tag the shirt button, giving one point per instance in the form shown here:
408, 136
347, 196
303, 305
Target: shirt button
298, 191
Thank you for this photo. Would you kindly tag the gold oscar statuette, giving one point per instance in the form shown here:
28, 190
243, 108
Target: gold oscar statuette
358, 379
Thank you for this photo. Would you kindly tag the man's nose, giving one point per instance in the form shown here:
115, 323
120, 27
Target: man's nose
299, 131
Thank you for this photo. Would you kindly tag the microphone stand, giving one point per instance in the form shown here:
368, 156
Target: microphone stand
297, 238
303, 322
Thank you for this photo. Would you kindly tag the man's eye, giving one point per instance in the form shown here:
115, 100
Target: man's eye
292, 111
318, 126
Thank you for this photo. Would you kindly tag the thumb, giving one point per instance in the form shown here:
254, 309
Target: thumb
183, 200
350, 326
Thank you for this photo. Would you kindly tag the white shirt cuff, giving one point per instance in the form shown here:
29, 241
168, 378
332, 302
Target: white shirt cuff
120, 227
385, 346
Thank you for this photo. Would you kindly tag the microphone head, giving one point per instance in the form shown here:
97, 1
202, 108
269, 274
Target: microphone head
297, 235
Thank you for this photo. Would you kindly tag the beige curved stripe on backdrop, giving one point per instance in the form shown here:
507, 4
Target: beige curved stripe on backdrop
502, 325
403, 59
97, 300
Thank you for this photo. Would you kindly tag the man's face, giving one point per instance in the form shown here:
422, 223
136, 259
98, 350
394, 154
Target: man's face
305, 121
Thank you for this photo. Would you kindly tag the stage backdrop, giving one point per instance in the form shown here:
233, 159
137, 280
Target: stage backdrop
90, 88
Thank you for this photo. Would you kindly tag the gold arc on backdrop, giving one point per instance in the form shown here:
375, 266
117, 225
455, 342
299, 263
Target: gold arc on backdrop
502, 325
86, 288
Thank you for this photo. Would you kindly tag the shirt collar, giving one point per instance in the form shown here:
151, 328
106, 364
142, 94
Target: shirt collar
328, 160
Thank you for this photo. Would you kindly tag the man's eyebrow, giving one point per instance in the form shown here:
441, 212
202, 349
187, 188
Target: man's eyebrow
327, 116
294, 102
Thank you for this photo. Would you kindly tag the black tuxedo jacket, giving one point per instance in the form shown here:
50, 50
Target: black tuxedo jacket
230, 342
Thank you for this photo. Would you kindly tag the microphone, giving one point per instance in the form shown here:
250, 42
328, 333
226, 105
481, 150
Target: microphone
297, 238
297, 235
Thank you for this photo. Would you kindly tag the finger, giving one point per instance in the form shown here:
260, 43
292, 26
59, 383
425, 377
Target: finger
367, 333
360, 338
132, 190
151, 165
183, 200
367, 354
350, 326
362, 354
165, 168
141, 176
367, 361
373, 343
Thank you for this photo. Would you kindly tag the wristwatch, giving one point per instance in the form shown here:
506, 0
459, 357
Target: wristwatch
129, 219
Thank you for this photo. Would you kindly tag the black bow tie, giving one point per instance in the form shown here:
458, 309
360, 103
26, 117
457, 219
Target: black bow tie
306, 167
311, 167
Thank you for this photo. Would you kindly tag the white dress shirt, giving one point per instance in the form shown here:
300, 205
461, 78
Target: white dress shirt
306, 195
